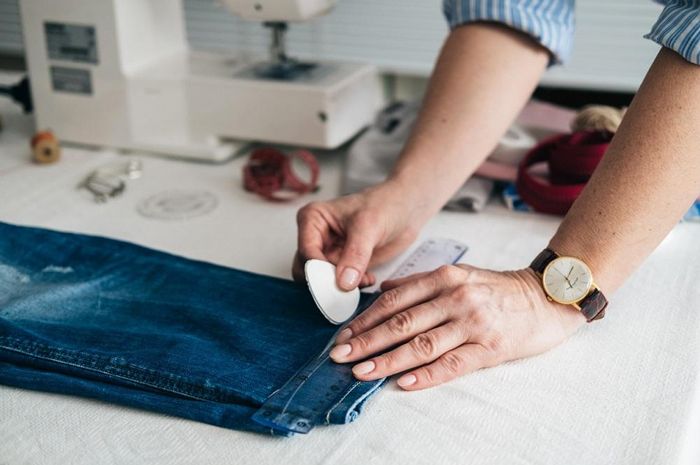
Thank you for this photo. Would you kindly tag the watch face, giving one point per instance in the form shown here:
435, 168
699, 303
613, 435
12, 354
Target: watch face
567, 280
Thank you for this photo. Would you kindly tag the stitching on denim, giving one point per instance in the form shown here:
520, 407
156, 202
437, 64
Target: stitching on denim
289, 401
165, 381
340, 401
322, 358
103, 365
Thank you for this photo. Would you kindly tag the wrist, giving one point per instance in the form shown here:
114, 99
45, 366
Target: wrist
568, 280
400, 195
530, 285
594, 256
421, 189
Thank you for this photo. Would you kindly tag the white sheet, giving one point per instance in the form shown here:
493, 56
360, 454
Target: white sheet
619, 392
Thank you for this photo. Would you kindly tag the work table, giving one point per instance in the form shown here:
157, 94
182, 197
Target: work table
625, 390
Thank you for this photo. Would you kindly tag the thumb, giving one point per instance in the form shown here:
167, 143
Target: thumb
356, 254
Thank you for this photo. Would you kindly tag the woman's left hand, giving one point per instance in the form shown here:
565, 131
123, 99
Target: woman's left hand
453, 321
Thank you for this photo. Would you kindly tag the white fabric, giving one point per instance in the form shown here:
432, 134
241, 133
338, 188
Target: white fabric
371, 157
618, 392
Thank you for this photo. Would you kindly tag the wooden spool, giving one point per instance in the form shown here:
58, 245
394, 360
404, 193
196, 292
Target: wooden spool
45, 148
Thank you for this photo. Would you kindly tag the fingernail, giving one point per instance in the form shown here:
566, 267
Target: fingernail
363, 368
344, 335
349, 278
343, 350
406, 380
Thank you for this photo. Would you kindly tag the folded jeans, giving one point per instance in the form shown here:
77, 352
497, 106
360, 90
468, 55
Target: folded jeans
105, 319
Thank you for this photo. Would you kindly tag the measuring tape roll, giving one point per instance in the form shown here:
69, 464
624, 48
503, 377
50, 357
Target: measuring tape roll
571, 159
270, 173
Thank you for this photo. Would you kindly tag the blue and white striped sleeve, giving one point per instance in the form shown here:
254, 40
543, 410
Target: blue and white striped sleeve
678, 28
549, 22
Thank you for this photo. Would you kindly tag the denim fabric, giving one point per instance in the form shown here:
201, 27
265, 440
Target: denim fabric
110, 320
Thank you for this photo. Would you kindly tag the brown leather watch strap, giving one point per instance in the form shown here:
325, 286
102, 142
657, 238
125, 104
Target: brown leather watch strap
593, 305
542, 260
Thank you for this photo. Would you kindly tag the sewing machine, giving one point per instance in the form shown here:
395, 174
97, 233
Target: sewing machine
118, 73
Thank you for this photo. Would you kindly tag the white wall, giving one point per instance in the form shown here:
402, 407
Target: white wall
404, 36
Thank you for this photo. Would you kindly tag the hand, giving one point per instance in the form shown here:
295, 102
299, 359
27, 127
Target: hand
357, 231
451, 322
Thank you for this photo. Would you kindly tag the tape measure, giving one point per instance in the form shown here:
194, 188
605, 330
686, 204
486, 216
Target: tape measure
315, 394
430, 255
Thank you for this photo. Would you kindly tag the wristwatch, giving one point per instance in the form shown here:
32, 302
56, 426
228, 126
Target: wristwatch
568, 280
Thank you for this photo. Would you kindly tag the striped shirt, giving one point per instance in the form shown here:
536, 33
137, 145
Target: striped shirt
551, 22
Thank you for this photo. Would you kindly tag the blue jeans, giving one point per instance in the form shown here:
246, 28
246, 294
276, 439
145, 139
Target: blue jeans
110, 320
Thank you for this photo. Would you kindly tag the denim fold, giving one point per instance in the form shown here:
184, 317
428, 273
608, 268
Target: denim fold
109, 320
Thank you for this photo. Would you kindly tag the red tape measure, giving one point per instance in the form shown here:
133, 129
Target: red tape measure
270, 173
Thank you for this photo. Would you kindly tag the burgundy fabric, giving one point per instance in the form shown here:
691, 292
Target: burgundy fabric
571, 159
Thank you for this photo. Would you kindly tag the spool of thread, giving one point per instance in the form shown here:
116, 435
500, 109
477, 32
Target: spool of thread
513, 146
600, 118
45, 148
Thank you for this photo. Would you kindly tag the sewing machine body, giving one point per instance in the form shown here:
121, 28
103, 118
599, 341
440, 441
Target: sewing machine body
119, 73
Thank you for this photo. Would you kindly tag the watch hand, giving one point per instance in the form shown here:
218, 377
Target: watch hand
559, 272
569, 274
562, 274
571, 285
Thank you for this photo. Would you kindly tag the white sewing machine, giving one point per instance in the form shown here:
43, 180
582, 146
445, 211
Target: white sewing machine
118, 73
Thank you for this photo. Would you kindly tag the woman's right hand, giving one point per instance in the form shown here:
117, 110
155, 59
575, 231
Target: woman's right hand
357, 231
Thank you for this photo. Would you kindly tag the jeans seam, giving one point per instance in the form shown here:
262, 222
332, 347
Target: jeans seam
340, 401
298, 388
169, 382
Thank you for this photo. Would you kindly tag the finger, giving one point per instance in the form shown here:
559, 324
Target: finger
397, 329
424, 348
332, 254
361, 238
387, 305
298, 268
368, 279
392, 283
442, 276
390, 249
466, 358
313, 233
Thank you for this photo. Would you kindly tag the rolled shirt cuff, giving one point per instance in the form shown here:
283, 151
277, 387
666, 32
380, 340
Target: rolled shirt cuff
678, 28
549, 22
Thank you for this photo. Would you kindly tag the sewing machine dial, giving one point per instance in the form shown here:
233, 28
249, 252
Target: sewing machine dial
567, 280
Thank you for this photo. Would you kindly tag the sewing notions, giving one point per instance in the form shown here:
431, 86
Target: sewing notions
270, 174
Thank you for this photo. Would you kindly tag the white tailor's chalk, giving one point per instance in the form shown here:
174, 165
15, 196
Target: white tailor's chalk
336, 304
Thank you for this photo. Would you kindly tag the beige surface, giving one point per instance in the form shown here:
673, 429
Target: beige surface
618, 392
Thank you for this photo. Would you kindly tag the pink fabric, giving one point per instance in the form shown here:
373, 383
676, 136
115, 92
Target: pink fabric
542, 115
543, 119
572, 152
497, 171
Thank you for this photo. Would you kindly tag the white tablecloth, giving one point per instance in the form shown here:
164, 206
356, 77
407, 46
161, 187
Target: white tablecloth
621, 391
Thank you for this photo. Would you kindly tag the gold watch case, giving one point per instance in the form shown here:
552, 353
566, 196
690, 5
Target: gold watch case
551, 293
